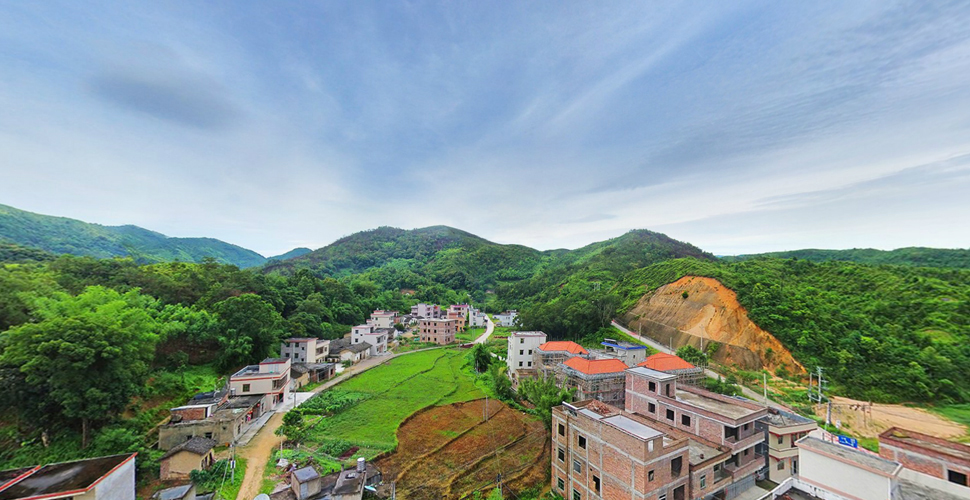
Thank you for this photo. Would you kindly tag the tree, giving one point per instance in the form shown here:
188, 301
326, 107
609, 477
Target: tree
480, 358
691, 354
500, 381
249, 329
544, 394
86, 357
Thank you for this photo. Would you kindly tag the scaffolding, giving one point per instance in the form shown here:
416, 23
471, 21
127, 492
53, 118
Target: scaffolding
609, 388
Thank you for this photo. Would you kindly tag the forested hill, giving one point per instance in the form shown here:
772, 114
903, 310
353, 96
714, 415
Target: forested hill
296, 252
457, 260
883, 333
69, 236
910, 256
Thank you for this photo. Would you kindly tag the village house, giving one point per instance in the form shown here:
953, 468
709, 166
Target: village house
458, 313
599, 451
725, 422
345, 350
438, 331
270, 380
426, 311
305, 350
827, 468
600, 379
102, 478
549, 355
687, 374
629, 353
181, 460
783, 429
476, 318
303, 374
928, 455
520, 355
183, 492
377, 338
506, 318
212, 415
384, 319
305, 483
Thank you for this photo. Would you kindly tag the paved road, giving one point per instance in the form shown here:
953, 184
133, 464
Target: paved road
489, 327
748, 393
261, 446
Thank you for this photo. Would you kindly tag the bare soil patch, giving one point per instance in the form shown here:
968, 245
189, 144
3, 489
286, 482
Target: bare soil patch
451, 452
854, 415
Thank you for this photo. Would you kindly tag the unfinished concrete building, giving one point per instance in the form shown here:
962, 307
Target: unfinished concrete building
687, 374
549, 355
600, 379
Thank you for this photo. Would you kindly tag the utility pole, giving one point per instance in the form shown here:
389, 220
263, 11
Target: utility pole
765, 375
485, 416
819, 368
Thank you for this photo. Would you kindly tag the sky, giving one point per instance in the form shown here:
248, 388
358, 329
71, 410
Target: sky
740, 127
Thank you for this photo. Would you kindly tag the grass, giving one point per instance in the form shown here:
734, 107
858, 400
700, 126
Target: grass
398, 388
230, 489
959, 413
470, 334
312, 385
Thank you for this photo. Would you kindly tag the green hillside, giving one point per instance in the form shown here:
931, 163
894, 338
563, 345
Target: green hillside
910, 256
296, 252
69, 236
885, 333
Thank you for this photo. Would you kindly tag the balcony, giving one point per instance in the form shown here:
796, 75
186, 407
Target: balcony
739, 471
740, 444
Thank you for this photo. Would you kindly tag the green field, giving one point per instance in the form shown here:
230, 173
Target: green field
396, 389
470, 334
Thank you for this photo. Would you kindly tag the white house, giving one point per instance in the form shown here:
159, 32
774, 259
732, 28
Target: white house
305, 350
383, 319
376, 337
269, 379
519, 359
506, 319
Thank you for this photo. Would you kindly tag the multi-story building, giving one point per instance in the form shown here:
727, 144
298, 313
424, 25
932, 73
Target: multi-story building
211, 415
726, 422
439, 331
549, 355
477, 318
938, 458
102, 478
520, 355
376, 337
270, 379
629, 353
599, 451
782, 430
460, 316
383, 319
506, 318
687, 374
305, 350
600, 379
427, 311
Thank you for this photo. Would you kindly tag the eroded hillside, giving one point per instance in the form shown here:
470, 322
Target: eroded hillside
710, 312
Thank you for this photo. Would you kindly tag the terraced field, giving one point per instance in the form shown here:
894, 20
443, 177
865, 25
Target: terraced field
451, 451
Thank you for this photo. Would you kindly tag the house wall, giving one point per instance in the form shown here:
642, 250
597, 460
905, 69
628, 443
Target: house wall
842, 478
922, 460
527, 345
439, 332
301, 380
222, 431
192, 412
118, 485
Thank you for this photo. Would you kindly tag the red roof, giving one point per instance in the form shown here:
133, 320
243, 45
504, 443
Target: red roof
595, 366
563, 345
663, 362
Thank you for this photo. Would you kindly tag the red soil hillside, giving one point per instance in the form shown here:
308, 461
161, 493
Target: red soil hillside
710, 312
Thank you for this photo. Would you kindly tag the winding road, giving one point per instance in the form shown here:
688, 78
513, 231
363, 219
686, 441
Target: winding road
489, 328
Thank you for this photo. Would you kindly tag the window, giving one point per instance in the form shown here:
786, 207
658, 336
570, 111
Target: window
577, 495
582, 442
746, 451
286, 354
676, 465
577, 467
245, 387
652, 387
530, 352
703, 481
562, 430
208, 435
521, 341
670, 415
652, 408
562, 455
521, 352
685, 420
746, 426
781, 465
781, 439
520, 364
530, 363
650, 476
663, 496
596, 483
956, 477
560, 483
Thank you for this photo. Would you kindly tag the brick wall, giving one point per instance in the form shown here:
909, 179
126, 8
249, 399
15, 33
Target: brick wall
187, 414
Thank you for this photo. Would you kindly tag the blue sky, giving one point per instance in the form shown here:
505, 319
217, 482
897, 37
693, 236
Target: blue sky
740, 127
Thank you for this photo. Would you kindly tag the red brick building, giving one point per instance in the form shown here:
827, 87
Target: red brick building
600, 379
929, 455
549, 355
439, 331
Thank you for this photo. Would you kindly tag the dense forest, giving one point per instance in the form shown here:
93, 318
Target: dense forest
911, 256
61, 235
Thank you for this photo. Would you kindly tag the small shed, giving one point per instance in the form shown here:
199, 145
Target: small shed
194, 454
305, 483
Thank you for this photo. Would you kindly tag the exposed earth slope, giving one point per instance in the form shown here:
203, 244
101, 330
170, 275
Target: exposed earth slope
710, 312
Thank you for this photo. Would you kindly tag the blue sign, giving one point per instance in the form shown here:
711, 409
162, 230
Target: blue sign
853, 442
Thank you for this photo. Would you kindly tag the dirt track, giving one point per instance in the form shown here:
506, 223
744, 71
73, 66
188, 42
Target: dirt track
257, 453
850, 413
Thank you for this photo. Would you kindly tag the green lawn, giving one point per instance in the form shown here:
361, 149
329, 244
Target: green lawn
398, 388
470, 334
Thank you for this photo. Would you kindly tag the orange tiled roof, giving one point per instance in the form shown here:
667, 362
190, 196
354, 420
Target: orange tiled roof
595, 366
664, 362
563, 345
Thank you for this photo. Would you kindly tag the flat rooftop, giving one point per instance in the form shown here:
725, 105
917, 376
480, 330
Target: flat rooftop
784, 419
527, 334
64, 477
654, 374
958, 451
625, 424
848, 454
735, 411
700, 452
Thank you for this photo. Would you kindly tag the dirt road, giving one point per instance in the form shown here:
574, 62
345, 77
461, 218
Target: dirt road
854, 416
258, 451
